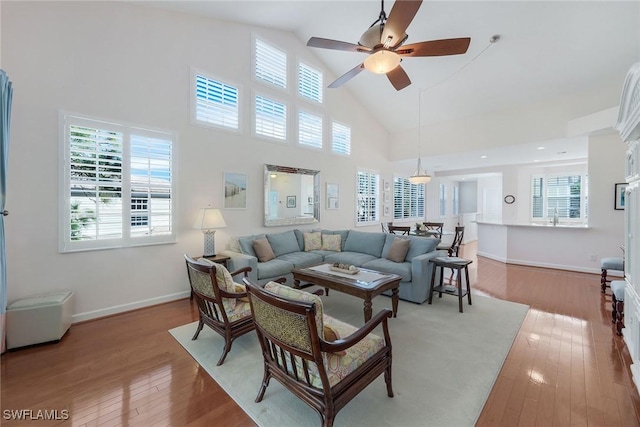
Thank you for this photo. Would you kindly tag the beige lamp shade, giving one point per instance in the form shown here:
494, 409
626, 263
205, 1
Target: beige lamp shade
208, 219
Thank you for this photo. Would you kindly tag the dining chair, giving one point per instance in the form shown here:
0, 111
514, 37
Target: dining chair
399, 229
435, 227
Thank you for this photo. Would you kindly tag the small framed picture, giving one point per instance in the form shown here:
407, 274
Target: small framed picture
619, 196
291, 201
386, 185
387, 210
235, 190
333, 196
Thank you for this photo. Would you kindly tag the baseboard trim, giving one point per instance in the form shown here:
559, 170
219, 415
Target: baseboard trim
493, 257
117, 309
550, 266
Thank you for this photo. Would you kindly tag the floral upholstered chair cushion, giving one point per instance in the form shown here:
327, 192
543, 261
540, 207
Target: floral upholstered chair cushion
224, 280
337, 365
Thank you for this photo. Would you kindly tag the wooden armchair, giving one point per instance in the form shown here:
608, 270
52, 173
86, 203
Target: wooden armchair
323, 361
223, 304
435, 228
399, 229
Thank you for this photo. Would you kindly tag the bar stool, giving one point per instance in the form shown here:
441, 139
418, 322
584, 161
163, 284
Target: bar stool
617, 304
612, 263
457, 265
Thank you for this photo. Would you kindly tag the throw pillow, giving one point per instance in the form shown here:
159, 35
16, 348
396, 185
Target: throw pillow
239, 287
331, 334
331, 242
398, 250
263, 250
312, 241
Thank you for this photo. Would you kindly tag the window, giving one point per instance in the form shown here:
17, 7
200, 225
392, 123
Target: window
271, 118
215, 103
309, 129
443, 200
271, 64
456, 200
565, 195
340, 139
309, 83
408, 199
367, 198
117, 186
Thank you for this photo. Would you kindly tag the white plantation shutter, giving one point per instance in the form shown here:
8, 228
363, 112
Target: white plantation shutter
271, 118
456, 200
309, 83
340, 139
408, 199
271, 64
367, 198
309, 129
562, 193
216, 103
119, 186
443, 200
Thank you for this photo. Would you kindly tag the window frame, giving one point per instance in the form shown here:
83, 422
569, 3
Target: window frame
584, 197
414, 192
442, 200
287, 121
193, 102
333, 151
322, 129
320, 88
373, 194
65, 243
254, 64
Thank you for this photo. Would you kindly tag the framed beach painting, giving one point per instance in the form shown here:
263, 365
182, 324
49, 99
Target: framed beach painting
235, 190
619, 195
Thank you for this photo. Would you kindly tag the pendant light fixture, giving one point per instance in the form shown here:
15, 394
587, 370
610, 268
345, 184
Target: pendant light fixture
420, 176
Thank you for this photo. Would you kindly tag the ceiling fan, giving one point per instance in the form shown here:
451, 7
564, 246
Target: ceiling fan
383, 41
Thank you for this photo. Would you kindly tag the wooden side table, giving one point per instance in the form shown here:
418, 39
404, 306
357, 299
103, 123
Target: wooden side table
456, 264
218, 259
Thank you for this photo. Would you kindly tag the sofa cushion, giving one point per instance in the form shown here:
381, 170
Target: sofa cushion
387, 266
331, 242
302, 259
352, 258
263, 250
398, 250
366, 243
246, 244
274, 268
283, 243
312, 241
421, 245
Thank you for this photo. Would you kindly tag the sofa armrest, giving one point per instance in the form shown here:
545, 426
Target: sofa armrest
422, 268
239, 261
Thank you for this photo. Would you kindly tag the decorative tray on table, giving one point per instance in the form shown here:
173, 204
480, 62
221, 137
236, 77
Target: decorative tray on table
344, 268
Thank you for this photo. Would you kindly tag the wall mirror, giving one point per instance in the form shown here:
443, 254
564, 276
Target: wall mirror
291, 196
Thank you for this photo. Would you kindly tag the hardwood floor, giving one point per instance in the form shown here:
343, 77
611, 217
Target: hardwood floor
566, 367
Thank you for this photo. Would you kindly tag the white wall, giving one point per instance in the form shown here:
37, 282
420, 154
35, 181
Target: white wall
128, 63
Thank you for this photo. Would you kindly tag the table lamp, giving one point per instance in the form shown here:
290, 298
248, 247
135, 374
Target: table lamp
208, 220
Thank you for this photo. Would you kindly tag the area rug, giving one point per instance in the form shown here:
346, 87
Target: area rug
444, 364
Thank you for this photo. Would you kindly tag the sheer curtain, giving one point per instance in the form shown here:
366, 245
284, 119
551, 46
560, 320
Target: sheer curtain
6, 92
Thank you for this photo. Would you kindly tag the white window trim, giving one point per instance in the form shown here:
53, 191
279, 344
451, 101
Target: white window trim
377, 196
322, 86
323, 129
192, 102
256, 36
287, 118
583, 198
330, 133
64, 198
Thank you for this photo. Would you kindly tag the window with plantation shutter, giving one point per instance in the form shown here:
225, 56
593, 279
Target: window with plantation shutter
565, 195
443, 200
367, 198
309, 129
408, 199
270, 64
215, 102
309, 83
340, 139
270, 118
117, 185
455, 202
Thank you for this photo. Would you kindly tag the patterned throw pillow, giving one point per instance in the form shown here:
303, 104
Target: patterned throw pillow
331, 242
263, 250
225, 281
312, 241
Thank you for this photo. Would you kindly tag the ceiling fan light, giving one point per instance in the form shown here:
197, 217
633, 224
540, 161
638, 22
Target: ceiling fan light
382, 61
371, 37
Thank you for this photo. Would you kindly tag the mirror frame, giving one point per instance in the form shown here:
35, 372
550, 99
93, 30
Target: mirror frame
268, 169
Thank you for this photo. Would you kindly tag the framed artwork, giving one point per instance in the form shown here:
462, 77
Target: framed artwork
235, 190
619, 195
387, 210
333, 196
386, 185
291, 201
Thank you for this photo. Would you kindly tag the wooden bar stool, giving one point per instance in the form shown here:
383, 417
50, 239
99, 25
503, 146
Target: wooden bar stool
457, 265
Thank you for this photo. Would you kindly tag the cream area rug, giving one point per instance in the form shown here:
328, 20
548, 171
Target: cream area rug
444, 364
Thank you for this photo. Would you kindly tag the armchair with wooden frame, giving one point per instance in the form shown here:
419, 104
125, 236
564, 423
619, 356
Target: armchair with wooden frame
223, 305
323, 361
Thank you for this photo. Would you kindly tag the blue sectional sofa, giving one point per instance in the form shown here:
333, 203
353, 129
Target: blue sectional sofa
362, 249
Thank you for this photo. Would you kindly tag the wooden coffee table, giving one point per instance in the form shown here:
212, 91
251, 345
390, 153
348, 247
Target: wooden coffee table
366, 284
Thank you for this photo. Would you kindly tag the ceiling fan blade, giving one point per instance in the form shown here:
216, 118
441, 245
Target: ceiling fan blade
399, 78
347, 76
336, 45
436, 47
401, 15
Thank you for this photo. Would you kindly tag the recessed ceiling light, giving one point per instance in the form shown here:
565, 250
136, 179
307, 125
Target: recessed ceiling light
562, 152
536, 161
483, 157
540, 148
